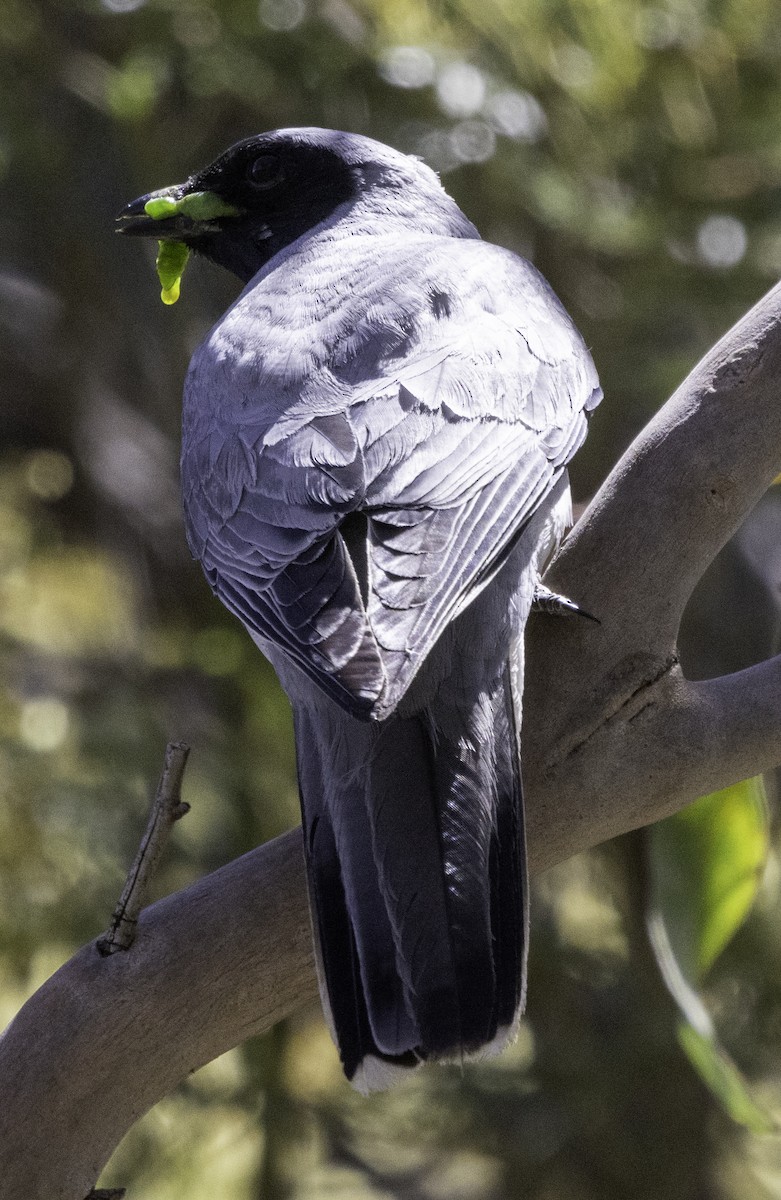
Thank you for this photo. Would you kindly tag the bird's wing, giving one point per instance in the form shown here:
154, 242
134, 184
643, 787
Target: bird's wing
353, 523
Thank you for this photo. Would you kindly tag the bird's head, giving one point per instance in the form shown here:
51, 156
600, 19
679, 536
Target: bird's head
267, 191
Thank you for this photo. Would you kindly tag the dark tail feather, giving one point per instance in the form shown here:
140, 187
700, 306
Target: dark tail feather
509, 872
417, 875
347, 908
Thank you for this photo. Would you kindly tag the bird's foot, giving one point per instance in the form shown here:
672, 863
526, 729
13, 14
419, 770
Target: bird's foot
546, 601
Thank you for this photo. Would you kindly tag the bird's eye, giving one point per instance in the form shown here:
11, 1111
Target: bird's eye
264, 171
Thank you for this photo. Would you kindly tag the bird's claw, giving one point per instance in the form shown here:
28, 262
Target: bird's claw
546, 601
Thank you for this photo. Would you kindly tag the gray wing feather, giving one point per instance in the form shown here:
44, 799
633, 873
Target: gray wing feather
443, 423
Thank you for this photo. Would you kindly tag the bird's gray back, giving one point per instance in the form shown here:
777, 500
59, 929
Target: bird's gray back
432, 387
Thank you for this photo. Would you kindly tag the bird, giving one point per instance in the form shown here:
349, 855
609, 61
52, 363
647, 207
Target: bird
374, 457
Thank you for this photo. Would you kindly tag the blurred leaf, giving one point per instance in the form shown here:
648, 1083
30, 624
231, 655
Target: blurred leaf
70, 600
706, 862
133, 90
723, 1078
705, 865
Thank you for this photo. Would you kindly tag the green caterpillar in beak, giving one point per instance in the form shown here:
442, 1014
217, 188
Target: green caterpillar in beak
171, 260
172, 256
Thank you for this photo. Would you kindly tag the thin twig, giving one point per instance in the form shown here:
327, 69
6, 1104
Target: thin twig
167, 808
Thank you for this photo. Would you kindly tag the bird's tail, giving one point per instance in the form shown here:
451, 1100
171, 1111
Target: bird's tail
414, 838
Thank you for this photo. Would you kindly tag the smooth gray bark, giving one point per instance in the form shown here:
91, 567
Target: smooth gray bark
614, 738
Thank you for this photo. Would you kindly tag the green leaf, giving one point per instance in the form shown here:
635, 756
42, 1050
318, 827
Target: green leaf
720, 1074
706, 863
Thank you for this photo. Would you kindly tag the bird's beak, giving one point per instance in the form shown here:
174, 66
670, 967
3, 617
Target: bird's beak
174, 214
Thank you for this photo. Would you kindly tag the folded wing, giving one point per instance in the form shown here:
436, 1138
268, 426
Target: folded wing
353, 505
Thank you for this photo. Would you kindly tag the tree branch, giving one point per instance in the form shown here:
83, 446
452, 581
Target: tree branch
614, 737
105, 1038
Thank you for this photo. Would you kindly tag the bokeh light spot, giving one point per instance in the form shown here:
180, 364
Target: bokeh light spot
461, 89
282, 15
722, 241
573, 66
123, 6
517, 115
473, 141
49, 474
435, 147
407, 67
43, 724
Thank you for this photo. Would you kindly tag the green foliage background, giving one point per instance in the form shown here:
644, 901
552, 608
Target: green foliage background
633, 150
